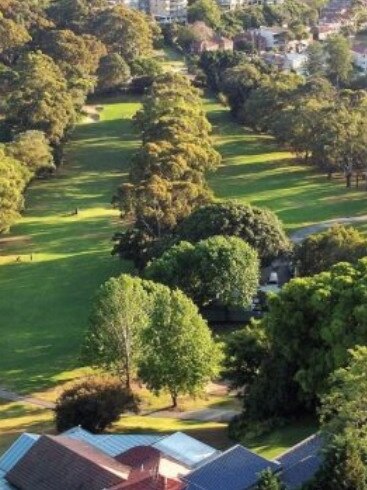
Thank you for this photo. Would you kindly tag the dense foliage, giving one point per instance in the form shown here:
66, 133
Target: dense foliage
318, 252
141, 328
343, 419
94, 404
167, 177
222, 270
259, 227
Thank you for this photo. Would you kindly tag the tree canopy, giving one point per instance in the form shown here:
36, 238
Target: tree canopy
218, 269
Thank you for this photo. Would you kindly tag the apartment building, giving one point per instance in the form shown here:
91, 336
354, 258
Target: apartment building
168, 11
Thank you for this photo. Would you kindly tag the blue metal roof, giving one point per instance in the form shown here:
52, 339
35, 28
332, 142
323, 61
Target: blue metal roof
235, 469
186, 449
4, 485
301, 462
16, 451
113, 444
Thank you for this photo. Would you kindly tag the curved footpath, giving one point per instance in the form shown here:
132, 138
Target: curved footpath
300, 235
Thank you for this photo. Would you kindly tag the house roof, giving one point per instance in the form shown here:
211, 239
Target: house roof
186, 449
4, 484
301, 462
146, 481
16, 451
113, 444
145, 458
58, 462
235, 469
360, 48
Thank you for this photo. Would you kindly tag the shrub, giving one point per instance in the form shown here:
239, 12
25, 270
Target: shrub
93, 403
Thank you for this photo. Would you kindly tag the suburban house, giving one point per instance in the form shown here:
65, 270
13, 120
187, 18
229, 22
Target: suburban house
294, 62
217, 43
79, 460
274, 37
359, 52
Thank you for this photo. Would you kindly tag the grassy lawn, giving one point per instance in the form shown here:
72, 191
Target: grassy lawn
45, 302
254, 170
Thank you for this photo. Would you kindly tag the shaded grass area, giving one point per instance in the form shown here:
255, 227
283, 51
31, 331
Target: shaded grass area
254, 170
53, 261
278, 441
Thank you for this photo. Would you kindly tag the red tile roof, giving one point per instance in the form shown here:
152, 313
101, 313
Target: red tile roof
60, 463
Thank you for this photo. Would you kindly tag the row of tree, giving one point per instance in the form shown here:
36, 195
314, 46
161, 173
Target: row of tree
167, 176
312, 116
51, 58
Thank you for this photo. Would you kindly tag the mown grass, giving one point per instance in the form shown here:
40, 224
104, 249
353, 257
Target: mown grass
255, 170
52, 262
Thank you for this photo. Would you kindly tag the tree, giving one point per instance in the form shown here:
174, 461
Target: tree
75, 14
344, 424
269, 481
33, 150
259, 227
179, 354
94, 404
344, 466
206, 11
340, 59
125, 31
318, 252
146, 67
78, 56
313, 322
12, 36
219, 269
245, 351
315, 64
13, 180
113, 72
40, 99
120, 312
343, 406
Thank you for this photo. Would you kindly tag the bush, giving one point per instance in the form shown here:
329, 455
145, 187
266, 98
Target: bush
94, 404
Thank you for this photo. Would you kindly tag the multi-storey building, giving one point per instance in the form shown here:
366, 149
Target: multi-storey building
168, 11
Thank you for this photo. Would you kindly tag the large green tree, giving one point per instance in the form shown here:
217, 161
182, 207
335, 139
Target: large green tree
40, 99
218, 269
259, 227
33, 150
179, 354
340, 59
120, 312
206, 11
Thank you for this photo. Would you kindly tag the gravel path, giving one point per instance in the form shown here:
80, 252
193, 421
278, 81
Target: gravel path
303, 233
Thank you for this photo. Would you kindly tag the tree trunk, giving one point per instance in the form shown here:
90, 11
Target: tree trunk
357, 181
174, 397
348, 180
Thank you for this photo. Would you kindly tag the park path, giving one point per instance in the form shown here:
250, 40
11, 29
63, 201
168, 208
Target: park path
299, 235
16, 397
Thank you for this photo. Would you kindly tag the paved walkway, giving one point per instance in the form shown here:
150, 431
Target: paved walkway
15, 397
303, 233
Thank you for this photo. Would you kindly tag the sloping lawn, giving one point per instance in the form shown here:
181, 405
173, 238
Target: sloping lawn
52, 261
254, 170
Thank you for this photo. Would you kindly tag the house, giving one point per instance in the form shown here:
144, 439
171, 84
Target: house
168, 11
359, 52
323, 31
217, 43
79, 460
274, 37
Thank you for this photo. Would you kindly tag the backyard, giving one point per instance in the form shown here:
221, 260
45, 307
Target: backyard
59, 253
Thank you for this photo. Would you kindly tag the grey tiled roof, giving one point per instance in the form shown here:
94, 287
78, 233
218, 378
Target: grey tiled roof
301, 462
235, 469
